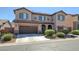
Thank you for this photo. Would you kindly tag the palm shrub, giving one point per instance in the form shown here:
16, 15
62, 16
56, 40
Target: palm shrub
75, 32
49, 32
60, 34
7, 37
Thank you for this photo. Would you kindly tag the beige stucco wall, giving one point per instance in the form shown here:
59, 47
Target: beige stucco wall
75, 18
37, 17
39, 26
27, 24
31, 15
68, 21
16, 28
22, 11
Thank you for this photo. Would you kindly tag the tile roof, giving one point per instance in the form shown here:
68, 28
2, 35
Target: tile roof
43, 13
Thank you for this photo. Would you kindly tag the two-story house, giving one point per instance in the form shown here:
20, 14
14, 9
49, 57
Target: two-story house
27, 22
31, 22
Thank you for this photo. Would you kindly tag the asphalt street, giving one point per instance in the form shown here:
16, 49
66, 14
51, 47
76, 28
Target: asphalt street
50, 45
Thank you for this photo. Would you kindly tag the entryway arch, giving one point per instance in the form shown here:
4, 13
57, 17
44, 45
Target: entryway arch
49, 26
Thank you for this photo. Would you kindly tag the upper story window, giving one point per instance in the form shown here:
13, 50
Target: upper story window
61, 17
42, 18
23, 16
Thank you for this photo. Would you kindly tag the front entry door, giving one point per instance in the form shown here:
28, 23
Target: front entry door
43, 28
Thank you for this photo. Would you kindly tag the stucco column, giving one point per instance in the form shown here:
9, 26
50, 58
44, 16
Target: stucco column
40, 28
46, 26
16, 30
56, 17
53, 27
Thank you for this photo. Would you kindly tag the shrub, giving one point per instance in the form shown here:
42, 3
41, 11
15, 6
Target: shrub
54, 36
75, 32
65, 31
60, 34
49, 32
51, 37
7, 37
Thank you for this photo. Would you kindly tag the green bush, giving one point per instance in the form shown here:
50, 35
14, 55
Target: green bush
49, 32
60, 34
65, 31
75, 32
54, 36
51, 37
7, 37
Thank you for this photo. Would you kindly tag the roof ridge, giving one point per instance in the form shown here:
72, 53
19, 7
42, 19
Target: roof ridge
44, 13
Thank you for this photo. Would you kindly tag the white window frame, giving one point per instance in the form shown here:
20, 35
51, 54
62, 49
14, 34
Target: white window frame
43, 18
60, 17
24, 16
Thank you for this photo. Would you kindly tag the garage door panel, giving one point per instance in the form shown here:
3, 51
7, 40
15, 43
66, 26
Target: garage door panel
27, 29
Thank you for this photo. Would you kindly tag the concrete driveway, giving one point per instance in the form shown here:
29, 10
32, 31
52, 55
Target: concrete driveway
30, 38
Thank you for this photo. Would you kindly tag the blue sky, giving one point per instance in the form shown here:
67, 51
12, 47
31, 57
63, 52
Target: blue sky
7, 12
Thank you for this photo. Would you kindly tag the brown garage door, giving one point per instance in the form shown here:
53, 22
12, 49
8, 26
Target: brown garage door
27, 29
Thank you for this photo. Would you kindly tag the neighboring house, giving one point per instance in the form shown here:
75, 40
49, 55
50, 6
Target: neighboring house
27, 22
6, 25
